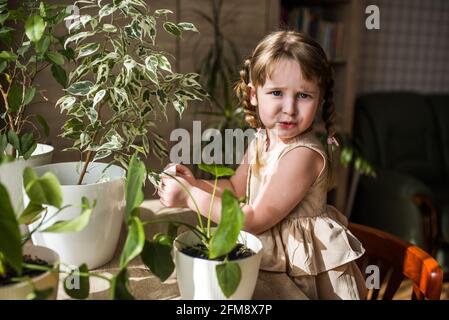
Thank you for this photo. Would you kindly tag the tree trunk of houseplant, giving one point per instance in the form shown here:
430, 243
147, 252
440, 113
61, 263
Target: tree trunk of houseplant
197, 278
96, 243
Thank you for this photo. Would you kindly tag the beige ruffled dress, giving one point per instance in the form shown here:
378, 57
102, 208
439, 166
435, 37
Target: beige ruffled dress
312, 243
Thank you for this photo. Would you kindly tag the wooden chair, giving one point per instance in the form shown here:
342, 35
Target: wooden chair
398, 260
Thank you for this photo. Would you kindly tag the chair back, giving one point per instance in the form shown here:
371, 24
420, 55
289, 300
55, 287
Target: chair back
398, 260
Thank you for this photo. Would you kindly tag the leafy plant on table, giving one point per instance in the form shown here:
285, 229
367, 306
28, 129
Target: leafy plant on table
42, 192
218, 243
123, 82
29, 34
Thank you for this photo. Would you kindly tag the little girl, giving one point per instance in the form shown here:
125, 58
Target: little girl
285, 171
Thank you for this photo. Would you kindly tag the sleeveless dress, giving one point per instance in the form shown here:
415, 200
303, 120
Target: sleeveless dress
312, 243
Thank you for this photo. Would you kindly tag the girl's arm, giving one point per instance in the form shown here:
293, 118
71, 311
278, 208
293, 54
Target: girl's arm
293, 176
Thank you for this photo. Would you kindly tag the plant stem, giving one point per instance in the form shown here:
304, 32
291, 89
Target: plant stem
195, 230
86, 164
211, 205
198, 212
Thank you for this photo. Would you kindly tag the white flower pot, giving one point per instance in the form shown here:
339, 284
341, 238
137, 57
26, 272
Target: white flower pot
197, 278
48, 279
11, 173
96, 243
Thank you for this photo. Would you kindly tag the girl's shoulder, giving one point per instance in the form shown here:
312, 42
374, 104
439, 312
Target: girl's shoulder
308, 139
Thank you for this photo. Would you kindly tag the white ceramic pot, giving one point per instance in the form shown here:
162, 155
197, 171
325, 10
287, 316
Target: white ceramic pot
197, 278
96, 243
49, 279
11, 173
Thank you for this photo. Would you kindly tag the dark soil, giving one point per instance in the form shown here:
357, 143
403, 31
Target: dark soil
200, 251
10, 273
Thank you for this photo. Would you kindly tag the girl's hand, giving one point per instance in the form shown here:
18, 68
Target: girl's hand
171, 193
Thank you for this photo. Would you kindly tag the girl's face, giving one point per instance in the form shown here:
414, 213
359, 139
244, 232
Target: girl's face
287, 102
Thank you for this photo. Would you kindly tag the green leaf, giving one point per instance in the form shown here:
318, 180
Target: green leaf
29, 95
10, 241
157, 257
88, 49
74, 225
119, 286
27, 145
109, 28
225, 236
14, 98
3, 65
76, 285
172, 28
107, 10
13, 139
134, 242
31, 213
43, 190
217, 170
59, 74
179, 104
162, 11
41, 120
7, 55
42, 45
133, 186
66, 102
164, 63
228, 275
80, 88
79, 36
98, 96
187, 26
55, 57
34, 28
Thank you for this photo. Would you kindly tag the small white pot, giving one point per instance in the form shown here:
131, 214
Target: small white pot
48, 279
197, 278
11, 173
96, 243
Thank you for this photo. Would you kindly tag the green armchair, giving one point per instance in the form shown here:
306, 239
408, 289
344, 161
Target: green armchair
405, 136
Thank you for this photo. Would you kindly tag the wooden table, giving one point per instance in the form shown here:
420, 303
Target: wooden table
145, 286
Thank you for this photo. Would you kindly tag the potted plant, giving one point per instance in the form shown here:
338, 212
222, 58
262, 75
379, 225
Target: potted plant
29, 271
116, 94
28, 33
211, 263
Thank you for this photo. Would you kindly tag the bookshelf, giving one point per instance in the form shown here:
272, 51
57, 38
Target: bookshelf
336, 25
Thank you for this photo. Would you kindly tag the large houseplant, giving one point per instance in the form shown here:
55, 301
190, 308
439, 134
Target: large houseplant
211, 263
121, 86
28, 35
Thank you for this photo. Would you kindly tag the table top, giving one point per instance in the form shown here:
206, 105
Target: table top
145, 286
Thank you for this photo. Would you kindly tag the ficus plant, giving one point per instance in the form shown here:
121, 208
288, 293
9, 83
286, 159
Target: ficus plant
28, 33
217, 243
42, 192
123, 82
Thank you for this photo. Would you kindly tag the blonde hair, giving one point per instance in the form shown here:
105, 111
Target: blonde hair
287, 45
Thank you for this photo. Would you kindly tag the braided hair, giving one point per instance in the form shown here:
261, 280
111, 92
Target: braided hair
294, 46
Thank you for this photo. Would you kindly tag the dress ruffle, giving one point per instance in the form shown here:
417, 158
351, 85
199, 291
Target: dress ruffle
309, 245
